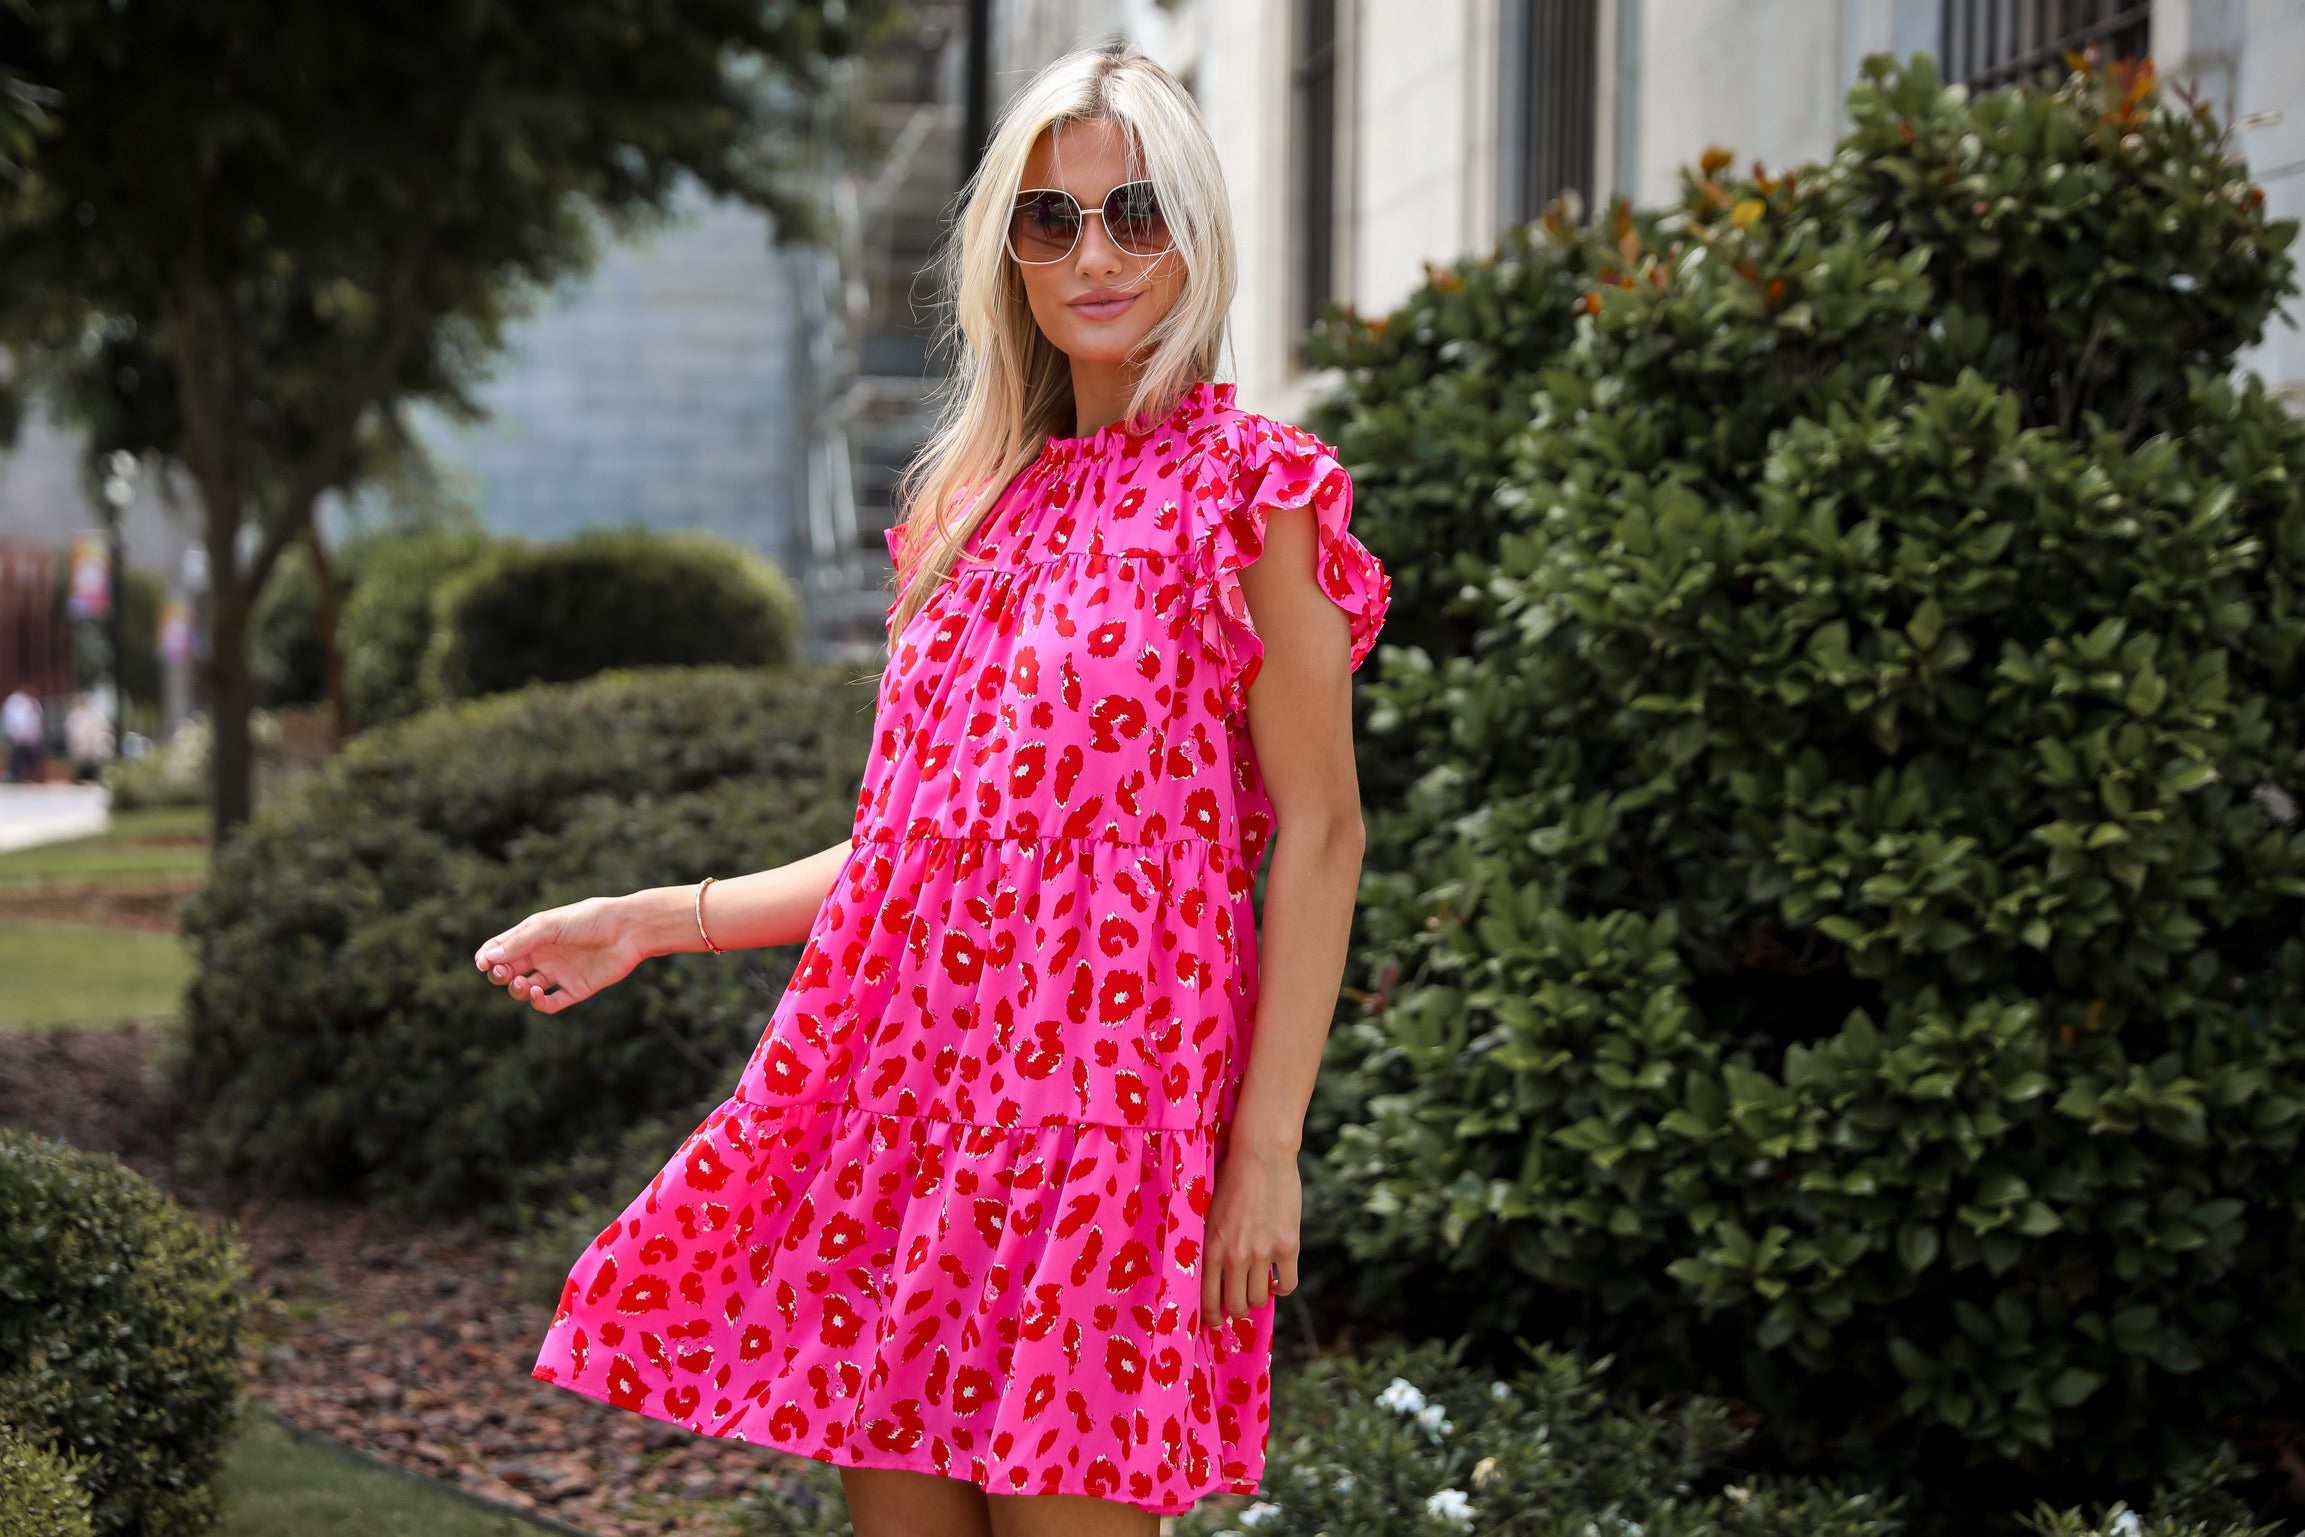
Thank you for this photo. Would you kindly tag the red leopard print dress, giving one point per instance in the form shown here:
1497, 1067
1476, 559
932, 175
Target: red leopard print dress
951, 1219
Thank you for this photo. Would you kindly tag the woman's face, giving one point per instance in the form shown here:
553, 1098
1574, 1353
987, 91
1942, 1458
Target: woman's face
1097, 304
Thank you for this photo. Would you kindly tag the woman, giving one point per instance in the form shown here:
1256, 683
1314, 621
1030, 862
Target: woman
996, 1215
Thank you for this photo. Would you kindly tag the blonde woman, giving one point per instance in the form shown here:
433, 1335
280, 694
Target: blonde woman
995, 1217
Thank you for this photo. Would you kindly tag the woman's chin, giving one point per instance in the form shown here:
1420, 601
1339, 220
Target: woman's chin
1102, 345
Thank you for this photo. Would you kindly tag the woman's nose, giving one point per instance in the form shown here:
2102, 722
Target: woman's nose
1096, 251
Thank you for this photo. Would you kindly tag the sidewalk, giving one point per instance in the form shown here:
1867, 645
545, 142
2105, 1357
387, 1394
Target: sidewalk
31, 814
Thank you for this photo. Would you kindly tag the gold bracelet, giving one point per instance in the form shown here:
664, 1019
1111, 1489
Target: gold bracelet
700, 933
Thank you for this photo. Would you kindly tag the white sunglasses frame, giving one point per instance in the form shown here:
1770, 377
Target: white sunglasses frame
1008, 232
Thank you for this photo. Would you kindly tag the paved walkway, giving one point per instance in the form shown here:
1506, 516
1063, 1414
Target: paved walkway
32, 814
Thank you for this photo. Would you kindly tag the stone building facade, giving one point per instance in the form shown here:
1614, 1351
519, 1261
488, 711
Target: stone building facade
1366, 138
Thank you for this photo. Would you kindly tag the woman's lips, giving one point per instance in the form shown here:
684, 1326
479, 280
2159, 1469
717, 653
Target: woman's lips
1105, 304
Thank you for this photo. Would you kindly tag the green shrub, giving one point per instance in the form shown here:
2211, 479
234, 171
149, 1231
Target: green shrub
119, 1334
175, 773
1417, 1441
1440, 390
1845, 943
387, 623
554, 613
39, 1497
338, 1038
286, 660
2120, 1521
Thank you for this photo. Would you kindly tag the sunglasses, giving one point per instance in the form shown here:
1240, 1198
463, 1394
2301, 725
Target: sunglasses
1044, 224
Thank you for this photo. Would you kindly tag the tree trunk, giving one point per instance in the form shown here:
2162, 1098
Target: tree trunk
231, 697
331, 658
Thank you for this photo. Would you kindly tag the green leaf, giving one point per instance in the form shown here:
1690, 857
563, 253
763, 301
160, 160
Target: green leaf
1912, 1363
2073, 1386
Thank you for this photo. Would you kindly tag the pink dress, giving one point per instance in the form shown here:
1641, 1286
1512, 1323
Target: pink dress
951, 1219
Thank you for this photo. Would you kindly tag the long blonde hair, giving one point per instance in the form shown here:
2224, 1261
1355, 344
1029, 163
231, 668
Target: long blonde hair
1011, 389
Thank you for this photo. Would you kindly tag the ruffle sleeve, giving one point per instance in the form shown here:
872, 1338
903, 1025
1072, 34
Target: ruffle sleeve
1275, 465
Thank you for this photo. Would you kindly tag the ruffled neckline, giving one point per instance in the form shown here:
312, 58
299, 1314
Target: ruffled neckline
1198, 399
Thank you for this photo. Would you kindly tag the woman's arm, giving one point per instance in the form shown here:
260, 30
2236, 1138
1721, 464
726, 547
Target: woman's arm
566, 954
1300, 716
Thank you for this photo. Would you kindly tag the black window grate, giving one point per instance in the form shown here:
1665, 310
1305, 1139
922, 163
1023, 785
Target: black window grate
1990, 43
1315, 79
1552, 99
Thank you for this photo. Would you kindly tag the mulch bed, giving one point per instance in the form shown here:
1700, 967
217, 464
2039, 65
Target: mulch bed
407, 1340
151, 907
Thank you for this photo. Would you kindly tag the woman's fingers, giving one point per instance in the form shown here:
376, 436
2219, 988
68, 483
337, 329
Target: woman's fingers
1287, 1281
514, 946
1237, 1288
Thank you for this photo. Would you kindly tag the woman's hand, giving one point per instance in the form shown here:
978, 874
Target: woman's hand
1252, 1231
564, 955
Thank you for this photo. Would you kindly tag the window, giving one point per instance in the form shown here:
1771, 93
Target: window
1993, 42
1552, 60
1315, 81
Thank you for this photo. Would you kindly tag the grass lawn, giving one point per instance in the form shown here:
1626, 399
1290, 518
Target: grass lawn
59, 975
275, 1485
140, 846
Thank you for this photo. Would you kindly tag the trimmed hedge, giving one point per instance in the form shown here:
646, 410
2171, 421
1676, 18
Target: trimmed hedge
554, 613
119, 1335
387, 623
1845, 942
337, 1037
39, 1497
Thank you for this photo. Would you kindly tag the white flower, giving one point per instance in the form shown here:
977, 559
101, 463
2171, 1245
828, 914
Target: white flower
1452, 1507
2277, 803
1258, 1514
1346, 1482
1483, 1471
1500, 1391
1435, 1419
1738, 1492
2125, 1524
1401, 1396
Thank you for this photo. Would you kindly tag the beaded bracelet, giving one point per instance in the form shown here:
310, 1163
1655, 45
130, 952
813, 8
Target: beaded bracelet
700, 933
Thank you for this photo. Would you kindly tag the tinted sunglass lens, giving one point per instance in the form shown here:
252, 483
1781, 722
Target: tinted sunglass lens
1044, 227
1133, 217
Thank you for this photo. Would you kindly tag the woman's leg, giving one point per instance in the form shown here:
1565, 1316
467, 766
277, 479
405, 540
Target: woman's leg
1065, 1515
889, 1502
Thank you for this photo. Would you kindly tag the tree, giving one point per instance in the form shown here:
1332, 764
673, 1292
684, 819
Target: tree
251, 231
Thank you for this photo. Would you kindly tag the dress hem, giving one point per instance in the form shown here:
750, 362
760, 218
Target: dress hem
1213, 1129
875, 1458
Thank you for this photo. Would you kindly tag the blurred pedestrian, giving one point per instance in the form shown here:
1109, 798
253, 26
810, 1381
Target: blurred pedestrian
25, 725
87, 738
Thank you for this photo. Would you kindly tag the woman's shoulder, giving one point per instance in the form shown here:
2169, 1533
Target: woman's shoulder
1241, 451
